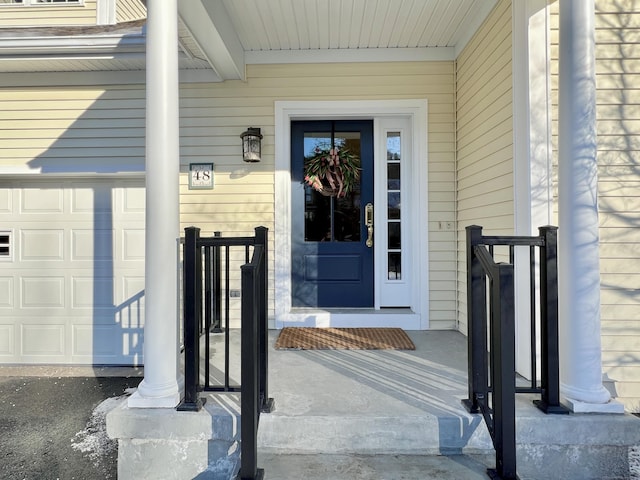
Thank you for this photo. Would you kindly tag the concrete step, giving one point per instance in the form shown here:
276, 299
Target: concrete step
368, 467
373, 402
562, 447
391, 434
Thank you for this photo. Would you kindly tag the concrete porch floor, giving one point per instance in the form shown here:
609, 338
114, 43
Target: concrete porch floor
365, 414
373, 401
346, 411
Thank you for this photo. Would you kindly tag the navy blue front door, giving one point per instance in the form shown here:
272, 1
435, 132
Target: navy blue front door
331, 264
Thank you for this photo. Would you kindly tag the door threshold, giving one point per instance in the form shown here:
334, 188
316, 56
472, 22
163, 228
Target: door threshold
354, 311
404, 318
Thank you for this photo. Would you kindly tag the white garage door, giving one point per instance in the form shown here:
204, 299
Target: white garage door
71, 271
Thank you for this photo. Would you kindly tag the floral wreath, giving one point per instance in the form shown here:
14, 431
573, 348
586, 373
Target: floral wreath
333, 172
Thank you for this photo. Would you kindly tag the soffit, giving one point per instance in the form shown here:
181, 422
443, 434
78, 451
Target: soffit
267, 25
233, 33
222, 36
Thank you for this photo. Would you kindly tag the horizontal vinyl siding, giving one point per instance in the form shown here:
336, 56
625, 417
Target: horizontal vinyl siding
128, 10
618, 116
214, 115
72, 129
48, 15
484, 167
618, 83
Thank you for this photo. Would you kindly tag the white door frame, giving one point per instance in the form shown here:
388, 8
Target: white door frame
417, 316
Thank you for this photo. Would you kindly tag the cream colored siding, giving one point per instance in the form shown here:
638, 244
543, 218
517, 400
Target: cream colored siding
618, 116
484, 137
127, 10
617, 57
214, 115
75, 129
90, 129
48, 15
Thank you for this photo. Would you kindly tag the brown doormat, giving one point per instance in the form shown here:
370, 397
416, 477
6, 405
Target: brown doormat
308, 338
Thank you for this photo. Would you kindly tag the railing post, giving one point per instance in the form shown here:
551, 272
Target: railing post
216, 325
503, 374
249, 408
550, 350
476, 323
192, 292
208, 286
266, 403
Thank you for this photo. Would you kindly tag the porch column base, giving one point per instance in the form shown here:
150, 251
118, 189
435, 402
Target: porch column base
138, 401
174, 445
578, 406
595, 399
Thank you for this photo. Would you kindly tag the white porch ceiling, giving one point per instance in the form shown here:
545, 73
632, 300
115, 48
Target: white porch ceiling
222, 36
266, 25
232, 33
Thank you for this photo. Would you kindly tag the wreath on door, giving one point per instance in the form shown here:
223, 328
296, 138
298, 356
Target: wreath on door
332, 171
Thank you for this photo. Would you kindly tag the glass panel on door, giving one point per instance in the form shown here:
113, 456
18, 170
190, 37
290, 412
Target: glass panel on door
329, 217
394, 207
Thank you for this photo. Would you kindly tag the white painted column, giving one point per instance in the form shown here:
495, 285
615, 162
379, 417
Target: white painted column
160, 388
579, 262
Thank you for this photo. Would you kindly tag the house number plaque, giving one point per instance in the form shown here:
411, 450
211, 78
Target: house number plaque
201, 176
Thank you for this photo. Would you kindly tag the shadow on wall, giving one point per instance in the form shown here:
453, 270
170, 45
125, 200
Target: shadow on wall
96, 166
618, 198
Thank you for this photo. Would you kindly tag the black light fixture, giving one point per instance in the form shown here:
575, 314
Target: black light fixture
251, 145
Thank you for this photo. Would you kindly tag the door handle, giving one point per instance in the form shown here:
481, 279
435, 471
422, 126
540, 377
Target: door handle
368, 220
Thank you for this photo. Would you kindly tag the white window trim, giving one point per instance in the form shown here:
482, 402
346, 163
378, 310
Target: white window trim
285, 112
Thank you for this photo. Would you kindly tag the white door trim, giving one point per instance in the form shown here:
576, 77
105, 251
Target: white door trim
417, 317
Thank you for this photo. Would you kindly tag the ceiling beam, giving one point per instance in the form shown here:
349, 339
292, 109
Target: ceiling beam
211, 27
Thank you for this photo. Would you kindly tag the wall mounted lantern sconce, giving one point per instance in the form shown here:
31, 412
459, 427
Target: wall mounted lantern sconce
251, 145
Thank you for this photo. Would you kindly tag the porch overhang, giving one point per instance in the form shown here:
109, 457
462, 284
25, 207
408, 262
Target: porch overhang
234, 33
221, 37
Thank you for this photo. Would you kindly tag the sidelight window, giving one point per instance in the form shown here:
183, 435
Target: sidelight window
394, 206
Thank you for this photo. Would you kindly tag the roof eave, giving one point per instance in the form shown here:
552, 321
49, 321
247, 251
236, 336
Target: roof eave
72, 46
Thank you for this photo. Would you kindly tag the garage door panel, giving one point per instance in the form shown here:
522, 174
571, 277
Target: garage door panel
43, 339
6, 203
130, 316
132, 244
6, 292
132, 340
42, 292
92, 198
41, 244
133, 199
42, 200
92, 293
91, 340
92, 245
7, 340
132, 293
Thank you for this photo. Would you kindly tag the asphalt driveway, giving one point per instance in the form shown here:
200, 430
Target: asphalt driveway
53, 427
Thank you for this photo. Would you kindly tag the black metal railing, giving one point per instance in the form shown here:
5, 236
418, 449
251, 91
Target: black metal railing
207, 264
491, 334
